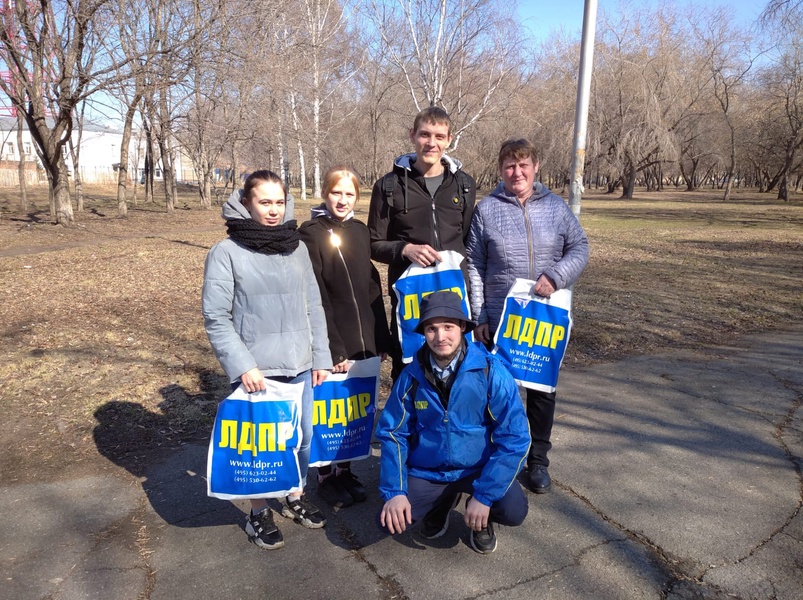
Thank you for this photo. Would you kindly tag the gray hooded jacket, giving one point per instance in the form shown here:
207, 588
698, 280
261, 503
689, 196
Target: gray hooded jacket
263, 310
509, 240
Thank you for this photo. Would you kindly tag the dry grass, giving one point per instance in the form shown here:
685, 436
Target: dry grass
105, 349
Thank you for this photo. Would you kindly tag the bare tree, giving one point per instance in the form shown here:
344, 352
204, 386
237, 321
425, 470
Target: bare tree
781, 85
787, 12
325, 45
782, 118
728, 59
139, 48
205, 129
47, 46
651, 95
377, 83
451, 54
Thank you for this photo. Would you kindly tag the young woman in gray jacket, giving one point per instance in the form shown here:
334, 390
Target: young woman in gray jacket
263, 316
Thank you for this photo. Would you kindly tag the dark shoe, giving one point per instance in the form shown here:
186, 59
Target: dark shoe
538, 479
303, 511
262, 531
484, 540
436, 521
331, 490
352, 485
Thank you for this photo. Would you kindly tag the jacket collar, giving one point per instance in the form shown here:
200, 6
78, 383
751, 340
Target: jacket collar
321, 211
405, 162
539, 191
474, 358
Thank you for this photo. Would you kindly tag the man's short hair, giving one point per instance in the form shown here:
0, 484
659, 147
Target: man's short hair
517, 150
435, 115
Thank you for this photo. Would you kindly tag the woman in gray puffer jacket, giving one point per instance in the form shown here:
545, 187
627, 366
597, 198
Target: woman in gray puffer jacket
263, 316
522, 230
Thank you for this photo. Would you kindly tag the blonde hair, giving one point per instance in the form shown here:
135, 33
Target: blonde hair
334, 175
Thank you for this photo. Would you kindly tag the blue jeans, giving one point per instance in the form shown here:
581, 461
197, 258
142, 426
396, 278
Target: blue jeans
304, 377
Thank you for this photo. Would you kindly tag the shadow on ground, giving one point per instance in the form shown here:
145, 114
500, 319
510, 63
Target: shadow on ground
147, 444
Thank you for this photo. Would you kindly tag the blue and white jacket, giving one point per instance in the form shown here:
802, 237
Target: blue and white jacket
483, 428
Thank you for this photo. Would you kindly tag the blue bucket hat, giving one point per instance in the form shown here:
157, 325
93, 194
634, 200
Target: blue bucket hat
446, 305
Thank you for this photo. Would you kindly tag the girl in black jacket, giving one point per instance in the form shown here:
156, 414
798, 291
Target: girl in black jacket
351, 293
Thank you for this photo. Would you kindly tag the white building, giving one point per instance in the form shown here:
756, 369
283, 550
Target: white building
99, 156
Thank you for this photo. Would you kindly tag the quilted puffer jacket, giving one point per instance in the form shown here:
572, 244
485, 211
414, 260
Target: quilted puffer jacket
263, 310
509, 240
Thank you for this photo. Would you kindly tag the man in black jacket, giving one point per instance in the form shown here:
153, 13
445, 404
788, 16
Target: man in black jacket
424, 205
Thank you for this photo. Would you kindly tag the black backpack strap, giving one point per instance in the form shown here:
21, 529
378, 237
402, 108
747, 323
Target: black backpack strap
411, 391
463, 186
487, 371
389, 187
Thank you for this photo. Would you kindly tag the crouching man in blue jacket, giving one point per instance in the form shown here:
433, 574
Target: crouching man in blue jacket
453, 424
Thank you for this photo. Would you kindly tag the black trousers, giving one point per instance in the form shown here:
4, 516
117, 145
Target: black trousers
541, 415
397, 366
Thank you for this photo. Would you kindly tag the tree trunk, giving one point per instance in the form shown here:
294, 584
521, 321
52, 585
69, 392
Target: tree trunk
206, 196
148, 163
122, 172
234, 174
79, 188
166, 150
629, 183
51, 196
727, 196
79, 192
280, 151
205, 172
61, 194
783, 189
21, 166
302, 168
316, 149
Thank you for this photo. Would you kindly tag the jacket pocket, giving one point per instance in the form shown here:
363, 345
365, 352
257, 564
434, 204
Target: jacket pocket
469, 446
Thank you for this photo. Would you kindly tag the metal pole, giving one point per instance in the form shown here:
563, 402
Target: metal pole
581, 110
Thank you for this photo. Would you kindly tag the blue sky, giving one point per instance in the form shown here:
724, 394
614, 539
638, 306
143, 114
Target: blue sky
543, 16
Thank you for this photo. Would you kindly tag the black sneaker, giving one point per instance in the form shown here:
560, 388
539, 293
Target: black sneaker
262, 531
303, 511
436, 521
352, 485
484, 540
333, 491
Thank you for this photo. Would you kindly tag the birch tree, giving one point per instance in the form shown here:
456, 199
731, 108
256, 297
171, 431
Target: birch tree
330, 66
451, 54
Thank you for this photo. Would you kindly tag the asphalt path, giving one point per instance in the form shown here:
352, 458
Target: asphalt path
675, 476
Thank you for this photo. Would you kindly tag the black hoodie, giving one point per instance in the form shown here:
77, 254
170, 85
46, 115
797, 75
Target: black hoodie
416, 217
